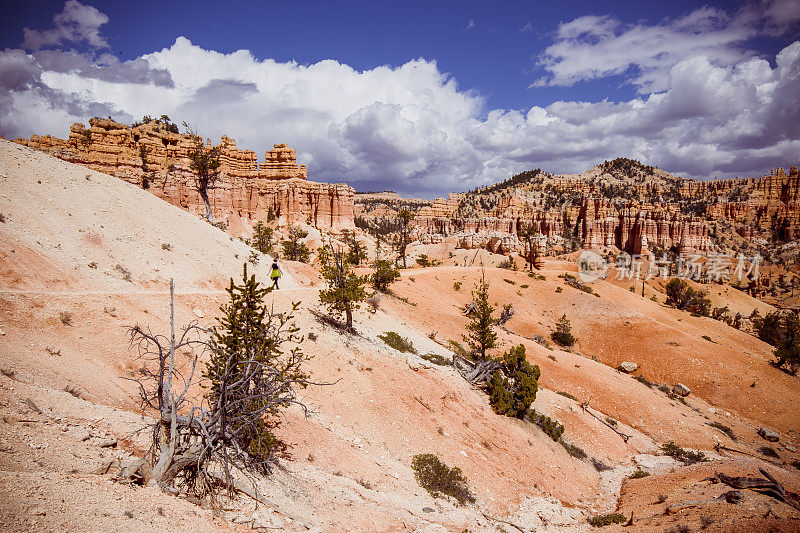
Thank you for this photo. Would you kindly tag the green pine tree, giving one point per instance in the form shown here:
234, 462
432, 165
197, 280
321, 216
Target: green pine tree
345, 289
248, 375
482, 336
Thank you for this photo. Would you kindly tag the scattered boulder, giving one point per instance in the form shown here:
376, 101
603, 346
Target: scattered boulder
768, 434
628, 367
681, 390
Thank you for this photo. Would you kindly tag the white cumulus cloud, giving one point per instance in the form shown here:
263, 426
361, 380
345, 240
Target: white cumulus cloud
411, 128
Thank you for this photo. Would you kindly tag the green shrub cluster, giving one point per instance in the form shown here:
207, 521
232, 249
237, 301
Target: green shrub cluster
685, 456
513, 390
439, 479
603, 520
401, 344
385, 274
437, 359
552, 428
782, 330
682, 296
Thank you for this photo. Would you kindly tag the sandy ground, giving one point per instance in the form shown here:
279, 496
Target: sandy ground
350, 459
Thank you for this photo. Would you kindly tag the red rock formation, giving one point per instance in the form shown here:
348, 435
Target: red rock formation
150, 156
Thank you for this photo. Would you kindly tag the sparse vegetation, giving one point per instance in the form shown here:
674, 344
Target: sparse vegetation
603, 520
641, 379
424, 261
482, 336
457, 286
706, 337
65, 317
681, 295
510, 281
126, 274
249, 380
166, 246
551, 427
513, 389
685, 456
566, 394
384, 275
403, 239
345, 289
293, 247
563, 333
204, 162
262, 238
394, 340
437, 359
440, 480
782, 330
639, 473
508, 264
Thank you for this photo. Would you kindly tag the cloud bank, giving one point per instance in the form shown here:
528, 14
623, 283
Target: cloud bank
706, 107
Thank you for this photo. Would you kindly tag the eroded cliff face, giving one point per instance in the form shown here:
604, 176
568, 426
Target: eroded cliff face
152, 157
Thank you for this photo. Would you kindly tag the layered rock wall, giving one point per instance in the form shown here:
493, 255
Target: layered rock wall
150, 156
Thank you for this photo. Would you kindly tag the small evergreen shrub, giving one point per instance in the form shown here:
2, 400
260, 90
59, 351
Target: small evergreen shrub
457, 286
507, 264
166, 246
510, 281
563, 333
644, 381
437, 359
685, 456
394, 340
65, 317
385, 274
639, 474
440, 480
603, 520
424, 261
552, 428
512, 391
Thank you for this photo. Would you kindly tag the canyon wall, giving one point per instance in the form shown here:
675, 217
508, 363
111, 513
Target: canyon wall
152, 157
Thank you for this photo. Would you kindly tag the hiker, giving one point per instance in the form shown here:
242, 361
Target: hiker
276, 274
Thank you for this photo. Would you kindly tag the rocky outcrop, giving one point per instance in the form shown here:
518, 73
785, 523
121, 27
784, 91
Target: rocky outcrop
155, 158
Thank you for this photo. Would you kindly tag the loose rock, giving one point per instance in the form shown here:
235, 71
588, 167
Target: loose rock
681, 390
768, 434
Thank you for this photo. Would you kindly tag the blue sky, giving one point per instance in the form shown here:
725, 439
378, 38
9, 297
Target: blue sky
425, 97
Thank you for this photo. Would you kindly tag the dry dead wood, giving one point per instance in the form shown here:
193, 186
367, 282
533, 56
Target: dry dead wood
625, 437
476, 373
767, 485
719, 447
512, 524
732, 496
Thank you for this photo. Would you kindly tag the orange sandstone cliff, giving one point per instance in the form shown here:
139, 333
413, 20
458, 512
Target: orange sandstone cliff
155, 158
